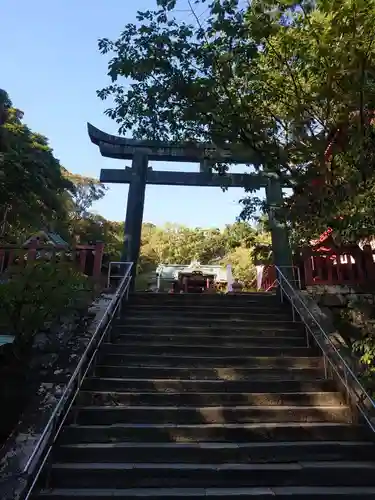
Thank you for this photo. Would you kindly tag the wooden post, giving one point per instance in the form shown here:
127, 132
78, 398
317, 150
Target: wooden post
11, 257
330, 279
31, 252
369, 263
82, 259
319, 262
340, 276
2, 259
307, 265
98, 259
358, 257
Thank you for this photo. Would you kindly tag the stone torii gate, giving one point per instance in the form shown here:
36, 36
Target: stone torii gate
139, 174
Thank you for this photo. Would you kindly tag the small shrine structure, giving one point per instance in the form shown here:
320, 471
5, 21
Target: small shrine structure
170, 274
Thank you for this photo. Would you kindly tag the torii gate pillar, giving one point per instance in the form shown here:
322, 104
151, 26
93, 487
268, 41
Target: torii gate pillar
282, 254
134, 212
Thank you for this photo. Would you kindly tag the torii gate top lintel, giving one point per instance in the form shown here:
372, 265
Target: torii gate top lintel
114, 146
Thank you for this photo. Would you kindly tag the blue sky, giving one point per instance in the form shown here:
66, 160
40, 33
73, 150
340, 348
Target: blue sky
51, 68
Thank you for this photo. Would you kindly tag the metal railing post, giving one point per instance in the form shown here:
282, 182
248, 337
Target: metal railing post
293, 311
119, 309
279, 290
307, 337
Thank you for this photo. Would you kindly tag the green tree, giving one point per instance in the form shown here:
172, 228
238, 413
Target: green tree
5, 104
94, 228
236, 244
239, 234
80, 224
38, 294
276, 77
86, 192
31, 178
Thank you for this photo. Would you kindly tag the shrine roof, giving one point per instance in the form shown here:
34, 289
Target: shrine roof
54, 238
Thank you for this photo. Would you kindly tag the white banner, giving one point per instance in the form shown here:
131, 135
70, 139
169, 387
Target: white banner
229, 278
259, 276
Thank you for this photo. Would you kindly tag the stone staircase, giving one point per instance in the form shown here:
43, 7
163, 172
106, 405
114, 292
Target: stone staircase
201, 396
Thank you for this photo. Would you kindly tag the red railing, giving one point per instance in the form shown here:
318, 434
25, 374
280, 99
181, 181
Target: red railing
344, 267
88, 258
268, 278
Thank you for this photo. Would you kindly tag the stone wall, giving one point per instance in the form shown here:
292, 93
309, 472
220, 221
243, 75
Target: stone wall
351, 309
340, 295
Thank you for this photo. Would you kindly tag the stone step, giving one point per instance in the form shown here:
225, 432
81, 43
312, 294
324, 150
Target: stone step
204, 386
95, 415
235, 329
208, 340
294, 330
196, 349
259, 432
87, 398
209, 396
202, 320
207, 313
287, 493
214, 373
199, 298
176, 475
216, 453
209, 361
199, 307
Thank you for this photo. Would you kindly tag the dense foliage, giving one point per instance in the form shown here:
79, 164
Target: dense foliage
237, 244
31, 178
36, 303
39, 295
275, 77
36, 193
35, 190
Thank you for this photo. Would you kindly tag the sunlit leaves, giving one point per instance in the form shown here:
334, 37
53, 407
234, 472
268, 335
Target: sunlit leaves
175, 244
275, 76
86, 192
31, 179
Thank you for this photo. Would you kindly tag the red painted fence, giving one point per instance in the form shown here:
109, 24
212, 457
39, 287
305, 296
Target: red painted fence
88, 258
346, 267
268, 278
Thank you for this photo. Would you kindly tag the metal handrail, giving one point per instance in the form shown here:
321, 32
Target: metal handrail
56, 421
110, 275
296, 277
294, 297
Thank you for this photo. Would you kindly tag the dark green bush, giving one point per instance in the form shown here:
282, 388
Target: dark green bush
356, 325
39, 295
